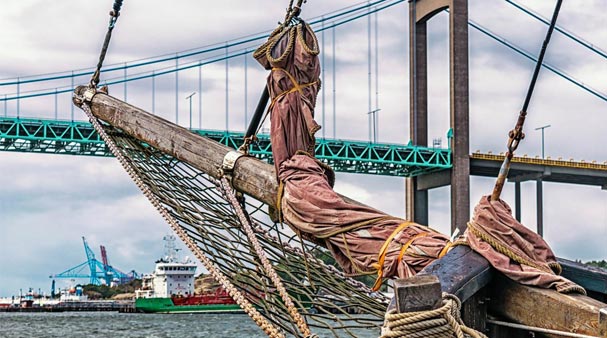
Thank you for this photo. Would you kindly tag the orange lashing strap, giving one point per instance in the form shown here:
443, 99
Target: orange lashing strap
297, 87
444, 251
406, 246
382, 254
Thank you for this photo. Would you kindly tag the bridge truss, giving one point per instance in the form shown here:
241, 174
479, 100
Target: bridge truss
79, 138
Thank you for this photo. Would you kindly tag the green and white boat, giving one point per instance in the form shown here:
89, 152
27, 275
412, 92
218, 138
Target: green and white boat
170, 288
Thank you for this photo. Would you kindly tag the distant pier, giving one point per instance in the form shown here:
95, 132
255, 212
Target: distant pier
89, 306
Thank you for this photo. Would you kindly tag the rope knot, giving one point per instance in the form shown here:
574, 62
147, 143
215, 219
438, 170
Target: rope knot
442, 322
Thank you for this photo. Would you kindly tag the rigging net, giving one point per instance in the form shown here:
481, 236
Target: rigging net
270, 274
329, 301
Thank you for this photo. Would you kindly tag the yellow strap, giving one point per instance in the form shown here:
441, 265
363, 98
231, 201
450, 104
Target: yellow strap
406, 246
279, 194
297, 87
382, 254
444, 251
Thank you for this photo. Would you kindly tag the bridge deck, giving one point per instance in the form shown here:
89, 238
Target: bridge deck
79, 138
549, 170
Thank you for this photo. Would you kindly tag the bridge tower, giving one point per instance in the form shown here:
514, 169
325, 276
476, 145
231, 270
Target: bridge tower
420, 11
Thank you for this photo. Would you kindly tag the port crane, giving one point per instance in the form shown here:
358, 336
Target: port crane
98, 272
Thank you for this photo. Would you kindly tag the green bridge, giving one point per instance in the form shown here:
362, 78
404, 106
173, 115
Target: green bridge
79, 138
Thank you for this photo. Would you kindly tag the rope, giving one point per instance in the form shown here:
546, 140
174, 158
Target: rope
240, 299
195, 201
553, 268
229, 193
213, 229
516, 135
444, 322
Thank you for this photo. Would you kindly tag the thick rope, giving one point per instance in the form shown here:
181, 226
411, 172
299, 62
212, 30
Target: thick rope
240, 299
444, 322
246, 224
553, 268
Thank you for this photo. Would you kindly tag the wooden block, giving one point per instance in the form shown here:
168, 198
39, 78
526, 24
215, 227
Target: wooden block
418, 293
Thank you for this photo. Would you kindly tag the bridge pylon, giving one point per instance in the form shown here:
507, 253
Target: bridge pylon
420, 11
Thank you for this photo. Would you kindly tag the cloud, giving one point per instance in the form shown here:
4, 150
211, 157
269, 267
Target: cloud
48, 202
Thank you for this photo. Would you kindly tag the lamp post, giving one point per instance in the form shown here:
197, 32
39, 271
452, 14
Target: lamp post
542, 128
373, 117
189, 97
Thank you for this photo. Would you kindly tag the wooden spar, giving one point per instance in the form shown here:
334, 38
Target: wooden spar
251, 176
256, 178
463, 272
546, 309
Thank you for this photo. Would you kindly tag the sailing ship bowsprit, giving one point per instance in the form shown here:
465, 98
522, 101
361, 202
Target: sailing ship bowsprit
298, 281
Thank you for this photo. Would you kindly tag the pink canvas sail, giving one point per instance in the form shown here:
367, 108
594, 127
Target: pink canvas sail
362, 240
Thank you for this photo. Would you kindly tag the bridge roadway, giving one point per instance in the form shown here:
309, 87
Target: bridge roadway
431, 164
79, 138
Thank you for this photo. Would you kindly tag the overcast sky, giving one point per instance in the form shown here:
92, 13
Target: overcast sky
48, 202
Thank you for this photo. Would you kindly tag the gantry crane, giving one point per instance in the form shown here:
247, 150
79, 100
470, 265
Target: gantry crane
98, 272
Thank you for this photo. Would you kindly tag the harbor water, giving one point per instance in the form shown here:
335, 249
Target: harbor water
133, 325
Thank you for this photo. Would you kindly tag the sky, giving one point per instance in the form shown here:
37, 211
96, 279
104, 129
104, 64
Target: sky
48, 202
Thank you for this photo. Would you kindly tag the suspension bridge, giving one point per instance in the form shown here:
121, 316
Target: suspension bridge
36, 114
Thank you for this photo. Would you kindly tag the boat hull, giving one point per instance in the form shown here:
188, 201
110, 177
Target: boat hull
166, 305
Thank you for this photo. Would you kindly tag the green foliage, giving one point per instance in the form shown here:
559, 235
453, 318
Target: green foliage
598, 264
106, 292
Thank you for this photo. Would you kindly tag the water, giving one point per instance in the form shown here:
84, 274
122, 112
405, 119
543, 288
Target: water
130, 325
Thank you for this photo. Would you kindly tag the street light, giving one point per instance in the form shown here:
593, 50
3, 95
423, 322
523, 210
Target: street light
189, 97
374, 123
542, 128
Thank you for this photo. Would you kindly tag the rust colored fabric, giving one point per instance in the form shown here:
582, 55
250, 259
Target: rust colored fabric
354, 234
514, 250
364, 240
292, 56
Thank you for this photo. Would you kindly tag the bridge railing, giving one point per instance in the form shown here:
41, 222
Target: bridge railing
79, 138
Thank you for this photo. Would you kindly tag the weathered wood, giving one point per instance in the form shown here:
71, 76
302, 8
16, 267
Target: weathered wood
418, 293
461, 272
474, 311
545, 308
603, 322
251, 176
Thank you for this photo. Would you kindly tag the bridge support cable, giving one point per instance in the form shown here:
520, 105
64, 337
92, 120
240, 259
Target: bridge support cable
344, 14
528, 55
561, 30
346, 17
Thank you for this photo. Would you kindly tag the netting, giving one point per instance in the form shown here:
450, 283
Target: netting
332, 304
